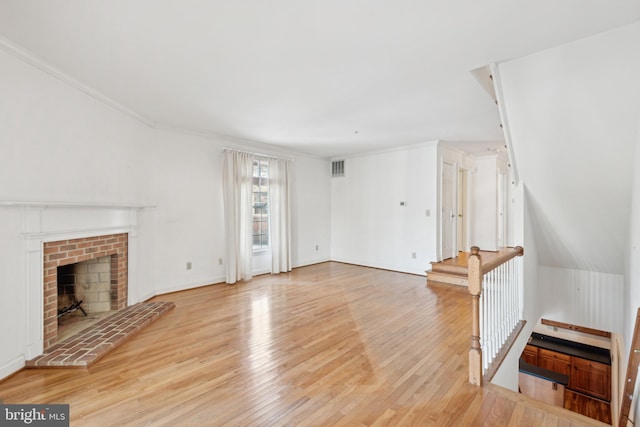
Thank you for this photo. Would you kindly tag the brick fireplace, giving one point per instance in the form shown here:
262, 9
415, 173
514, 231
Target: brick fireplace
66, 252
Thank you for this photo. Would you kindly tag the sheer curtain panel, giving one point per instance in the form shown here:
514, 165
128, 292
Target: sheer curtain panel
280, 214
237, 171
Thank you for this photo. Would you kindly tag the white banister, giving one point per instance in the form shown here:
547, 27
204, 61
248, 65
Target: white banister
499, 300
495, 289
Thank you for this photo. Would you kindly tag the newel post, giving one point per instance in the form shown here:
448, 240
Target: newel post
475, 288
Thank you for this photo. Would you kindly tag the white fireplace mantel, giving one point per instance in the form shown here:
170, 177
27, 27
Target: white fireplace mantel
52, 221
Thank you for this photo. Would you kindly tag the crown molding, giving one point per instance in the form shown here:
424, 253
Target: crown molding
77, 205
36, 62
424, 144
242, 143
238, 143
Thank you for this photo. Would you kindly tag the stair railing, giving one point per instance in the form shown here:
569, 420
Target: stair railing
495, 308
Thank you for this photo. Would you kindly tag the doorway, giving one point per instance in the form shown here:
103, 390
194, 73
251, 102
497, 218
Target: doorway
448, 212
463, 216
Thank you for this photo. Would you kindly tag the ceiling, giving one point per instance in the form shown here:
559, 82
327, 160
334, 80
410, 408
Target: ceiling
327, 78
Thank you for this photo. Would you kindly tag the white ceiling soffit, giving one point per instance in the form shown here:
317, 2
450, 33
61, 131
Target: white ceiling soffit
327, 78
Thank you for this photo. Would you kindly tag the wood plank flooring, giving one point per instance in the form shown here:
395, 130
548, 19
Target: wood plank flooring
328, 344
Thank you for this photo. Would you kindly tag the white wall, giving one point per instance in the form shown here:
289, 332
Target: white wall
581, 297
60, 144
572, 296
573, 114
632, 282
57, 144
188, 219
485, 233
368, 224
311, 222
13, 304
531, 304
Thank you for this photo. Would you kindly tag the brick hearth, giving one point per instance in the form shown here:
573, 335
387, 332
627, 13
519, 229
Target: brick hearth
81, 350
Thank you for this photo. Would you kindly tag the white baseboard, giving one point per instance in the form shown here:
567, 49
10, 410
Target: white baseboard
194, 285
311, 261
146, 297
12, 367
416, 272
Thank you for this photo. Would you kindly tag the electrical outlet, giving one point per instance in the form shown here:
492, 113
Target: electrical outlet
316, 247
413, 255
189, 265
219, 261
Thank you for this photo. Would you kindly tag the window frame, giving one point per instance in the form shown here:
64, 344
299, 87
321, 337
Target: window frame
264, 219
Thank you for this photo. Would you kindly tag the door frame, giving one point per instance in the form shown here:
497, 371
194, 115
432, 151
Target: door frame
463, 224
443, 216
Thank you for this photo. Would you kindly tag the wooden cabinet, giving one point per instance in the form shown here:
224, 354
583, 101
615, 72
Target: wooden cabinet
587, 405
554, 361
590, 377
589, 389
541, 389
530, 355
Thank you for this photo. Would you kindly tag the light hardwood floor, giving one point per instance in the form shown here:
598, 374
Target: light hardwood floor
328, 344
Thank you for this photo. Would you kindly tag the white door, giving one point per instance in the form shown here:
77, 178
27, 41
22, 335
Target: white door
448, 213
462, 227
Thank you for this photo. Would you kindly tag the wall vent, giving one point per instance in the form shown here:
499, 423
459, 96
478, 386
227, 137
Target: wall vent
337, 168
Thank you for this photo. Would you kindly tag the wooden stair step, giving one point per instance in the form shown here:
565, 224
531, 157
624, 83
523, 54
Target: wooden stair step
449, 278
449, 268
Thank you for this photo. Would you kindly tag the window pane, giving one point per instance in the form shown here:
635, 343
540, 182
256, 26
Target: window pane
260, 205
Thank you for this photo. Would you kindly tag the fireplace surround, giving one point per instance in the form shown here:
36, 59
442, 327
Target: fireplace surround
43, 223
64, 252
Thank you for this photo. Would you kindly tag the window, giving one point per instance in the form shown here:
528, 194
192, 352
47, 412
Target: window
260, 205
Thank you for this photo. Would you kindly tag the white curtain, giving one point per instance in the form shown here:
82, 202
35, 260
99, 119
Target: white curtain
237, 178
280, 214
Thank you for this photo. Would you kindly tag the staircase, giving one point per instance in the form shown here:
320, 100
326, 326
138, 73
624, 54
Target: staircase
455, 271
452, 271
494, 282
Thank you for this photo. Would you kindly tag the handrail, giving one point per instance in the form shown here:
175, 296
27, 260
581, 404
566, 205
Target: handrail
494, 295
501, 257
